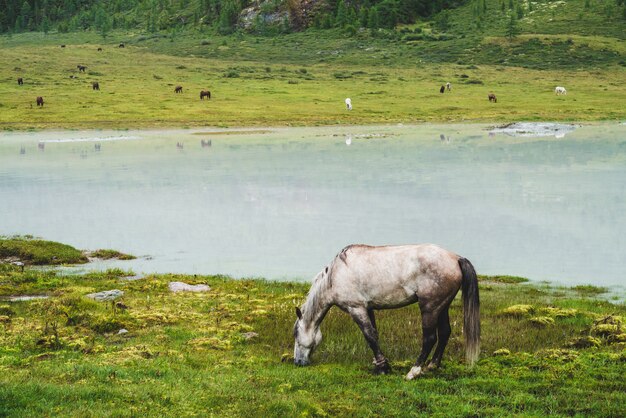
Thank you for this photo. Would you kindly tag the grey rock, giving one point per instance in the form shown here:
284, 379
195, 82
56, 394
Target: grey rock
122, 331
106, 295
184, 287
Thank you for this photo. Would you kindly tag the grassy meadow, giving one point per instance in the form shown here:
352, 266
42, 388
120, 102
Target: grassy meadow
298, 79
228, 352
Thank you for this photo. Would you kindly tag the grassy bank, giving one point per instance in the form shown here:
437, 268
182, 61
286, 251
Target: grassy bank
39, 252
545, 351
297, 80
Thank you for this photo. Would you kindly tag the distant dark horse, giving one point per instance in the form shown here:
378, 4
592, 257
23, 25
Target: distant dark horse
492, 98
205, 93
178, 89
95, 85
99, 49
362, 279
81, 68
122, 45
40, 101
20, 81
442, 89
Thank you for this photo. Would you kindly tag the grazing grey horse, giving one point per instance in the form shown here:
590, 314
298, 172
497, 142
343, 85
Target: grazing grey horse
362, 279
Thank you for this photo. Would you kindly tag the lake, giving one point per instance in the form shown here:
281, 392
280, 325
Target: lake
280, 203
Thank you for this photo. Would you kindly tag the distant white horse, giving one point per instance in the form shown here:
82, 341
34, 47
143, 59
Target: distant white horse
449, 86
560, 90
348, 104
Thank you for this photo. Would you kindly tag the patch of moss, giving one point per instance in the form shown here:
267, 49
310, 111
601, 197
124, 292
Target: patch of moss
541, 321
519, 310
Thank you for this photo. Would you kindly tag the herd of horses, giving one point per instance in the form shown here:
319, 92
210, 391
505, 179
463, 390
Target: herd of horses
95, 85
559, 90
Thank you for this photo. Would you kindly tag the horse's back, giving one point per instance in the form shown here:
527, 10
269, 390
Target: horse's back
392, 276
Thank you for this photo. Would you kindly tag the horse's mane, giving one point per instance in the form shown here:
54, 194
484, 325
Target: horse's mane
315, 302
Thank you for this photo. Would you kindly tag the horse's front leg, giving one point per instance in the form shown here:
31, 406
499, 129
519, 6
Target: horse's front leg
366, 322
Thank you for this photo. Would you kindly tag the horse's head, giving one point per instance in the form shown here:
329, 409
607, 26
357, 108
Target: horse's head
307, 337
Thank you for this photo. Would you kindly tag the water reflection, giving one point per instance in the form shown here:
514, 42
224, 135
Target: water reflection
280, 203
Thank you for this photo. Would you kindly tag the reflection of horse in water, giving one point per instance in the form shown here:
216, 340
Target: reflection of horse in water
180, 145
206, 143
41, 146
97, 147
22, 150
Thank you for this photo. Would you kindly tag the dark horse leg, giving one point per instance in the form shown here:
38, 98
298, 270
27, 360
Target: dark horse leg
429, 338
367, 323
443, 335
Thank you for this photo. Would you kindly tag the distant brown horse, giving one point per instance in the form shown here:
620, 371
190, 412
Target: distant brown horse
95, 85
442, 89
81, 68
99, 49
63, 46
205, 93
20, 81
40, 101
492, 98
122, 45
178, 89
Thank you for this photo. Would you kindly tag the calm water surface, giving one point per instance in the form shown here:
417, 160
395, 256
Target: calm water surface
280, 203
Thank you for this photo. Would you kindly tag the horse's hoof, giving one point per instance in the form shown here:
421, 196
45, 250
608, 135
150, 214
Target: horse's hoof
415, 371
383, 370
432, 366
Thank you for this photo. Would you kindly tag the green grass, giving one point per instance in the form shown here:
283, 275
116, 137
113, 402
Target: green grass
185, 354
39, 252
259, 81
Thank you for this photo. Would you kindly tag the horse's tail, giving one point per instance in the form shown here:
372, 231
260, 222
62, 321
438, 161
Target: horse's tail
471, 310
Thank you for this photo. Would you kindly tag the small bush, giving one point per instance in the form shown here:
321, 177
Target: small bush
231, 74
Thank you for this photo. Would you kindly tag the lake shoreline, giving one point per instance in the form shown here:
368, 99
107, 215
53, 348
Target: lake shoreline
259, 128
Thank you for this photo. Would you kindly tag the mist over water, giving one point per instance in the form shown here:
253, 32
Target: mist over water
280, 203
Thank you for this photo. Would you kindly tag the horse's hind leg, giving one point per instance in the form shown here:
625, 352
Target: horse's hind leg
364, 318
429, 338
443, 335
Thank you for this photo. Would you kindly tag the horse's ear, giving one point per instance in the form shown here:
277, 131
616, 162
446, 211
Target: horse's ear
298, 313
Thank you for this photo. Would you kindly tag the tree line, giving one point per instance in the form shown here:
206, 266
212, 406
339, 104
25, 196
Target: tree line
221, 15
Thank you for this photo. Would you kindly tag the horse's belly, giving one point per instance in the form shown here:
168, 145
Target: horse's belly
393, 300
